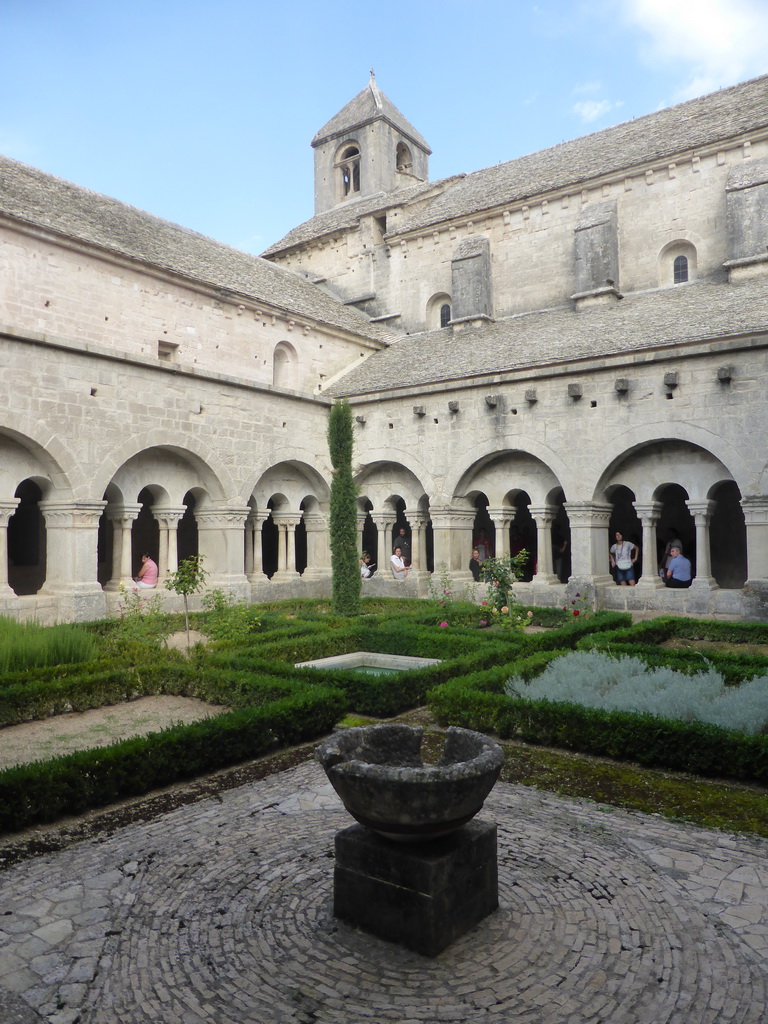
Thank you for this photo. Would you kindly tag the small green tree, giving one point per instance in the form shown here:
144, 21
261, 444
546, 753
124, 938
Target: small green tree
188, 579
344, 554
500, 574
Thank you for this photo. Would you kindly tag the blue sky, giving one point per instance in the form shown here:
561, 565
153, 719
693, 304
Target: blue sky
203, 112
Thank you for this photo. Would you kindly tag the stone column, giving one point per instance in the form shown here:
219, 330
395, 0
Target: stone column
7, 508
286, 550
254, 566
701, 512
361, 517
418, 523
502, 518
383, 524
544, 516
649, 515
220, 542
452, 533
756, 519
755, 508
318, 547
122, 518
168, 556
72, 530
589, 521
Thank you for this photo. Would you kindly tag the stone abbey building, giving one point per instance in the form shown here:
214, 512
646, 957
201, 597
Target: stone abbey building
540, 353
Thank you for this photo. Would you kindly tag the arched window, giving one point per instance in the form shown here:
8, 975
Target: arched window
404, 160
439, 311
284, 365
680, 269
677, 263
349, 170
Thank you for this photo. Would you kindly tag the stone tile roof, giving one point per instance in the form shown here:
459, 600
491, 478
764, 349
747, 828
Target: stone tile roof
347, 215
368, 105
687, 126
36, 198
644, 320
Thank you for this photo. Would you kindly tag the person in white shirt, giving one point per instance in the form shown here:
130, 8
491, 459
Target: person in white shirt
399, 568
623, 555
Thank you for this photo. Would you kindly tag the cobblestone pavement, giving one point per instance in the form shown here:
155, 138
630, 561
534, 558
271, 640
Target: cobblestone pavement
220, 912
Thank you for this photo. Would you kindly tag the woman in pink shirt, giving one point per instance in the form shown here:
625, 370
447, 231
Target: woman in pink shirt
147, 577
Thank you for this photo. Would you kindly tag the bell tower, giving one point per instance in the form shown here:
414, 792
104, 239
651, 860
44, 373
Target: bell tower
367, 149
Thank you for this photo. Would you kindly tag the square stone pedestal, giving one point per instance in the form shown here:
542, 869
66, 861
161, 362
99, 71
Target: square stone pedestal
420, 895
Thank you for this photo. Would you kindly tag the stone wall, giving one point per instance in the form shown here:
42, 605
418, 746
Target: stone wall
532, 243
65, 290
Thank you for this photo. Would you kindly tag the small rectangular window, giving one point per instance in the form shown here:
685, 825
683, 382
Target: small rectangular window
167, 351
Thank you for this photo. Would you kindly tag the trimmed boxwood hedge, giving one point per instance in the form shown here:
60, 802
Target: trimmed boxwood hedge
479, 702
649, 741
273, 702
44, 791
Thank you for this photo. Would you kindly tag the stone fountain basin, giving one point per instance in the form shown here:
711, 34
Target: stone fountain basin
378, 773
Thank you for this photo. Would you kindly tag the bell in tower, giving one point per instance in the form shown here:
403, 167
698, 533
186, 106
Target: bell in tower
367, 149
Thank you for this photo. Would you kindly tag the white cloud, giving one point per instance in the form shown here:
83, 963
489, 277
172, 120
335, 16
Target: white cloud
715, 42
592, 110
586, 87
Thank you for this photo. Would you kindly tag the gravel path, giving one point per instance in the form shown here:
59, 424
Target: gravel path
63, 734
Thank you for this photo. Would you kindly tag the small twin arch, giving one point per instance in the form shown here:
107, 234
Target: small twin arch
347, 165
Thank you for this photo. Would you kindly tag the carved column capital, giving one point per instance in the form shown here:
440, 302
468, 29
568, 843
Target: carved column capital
221, 518
72, 515
7, 509
123, 514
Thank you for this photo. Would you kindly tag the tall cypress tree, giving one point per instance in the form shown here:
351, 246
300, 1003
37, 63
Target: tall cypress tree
344, 556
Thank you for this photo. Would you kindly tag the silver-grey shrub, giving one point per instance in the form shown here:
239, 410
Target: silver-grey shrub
597, 680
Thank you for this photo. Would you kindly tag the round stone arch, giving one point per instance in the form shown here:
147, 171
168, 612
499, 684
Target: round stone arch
24, 457
439, 311
152, 500
412, 480
285, 366
168, 473
622, 445
494, 472
213, 474
286, 493
291, 482
391, 497
556, 474
517, 486
384, 483
685, 493
673, 254
29, 475
647, 469
347, 169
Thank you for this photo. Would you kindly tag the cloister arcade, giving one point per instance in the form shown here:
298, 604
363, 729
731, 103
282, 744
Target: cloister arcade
170, 501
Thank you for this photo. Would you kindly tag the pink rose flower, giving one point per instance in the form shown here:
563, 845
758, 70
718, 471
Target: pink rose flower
443, 625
